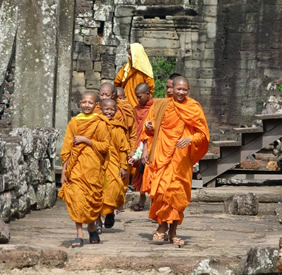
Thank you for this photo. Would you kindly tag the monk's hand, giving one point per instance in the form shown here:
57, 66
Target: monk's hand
78, 139
123, 173
64, 179
145, 157
131, 161
183, 142
149, 125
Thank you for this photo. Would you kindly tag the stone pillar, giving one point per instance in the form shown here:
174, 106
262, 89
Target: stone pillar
64, 70
8, 27
36, 55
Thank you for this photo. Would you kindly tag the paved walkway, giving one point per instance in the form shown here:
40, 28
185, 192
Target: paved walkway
207, 231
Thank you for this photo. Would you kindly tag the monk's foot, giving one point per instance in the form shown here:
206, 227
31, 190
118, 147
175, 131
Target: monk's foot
77, 242
159, 237
94, 237
177, 241
98, 227
109, 220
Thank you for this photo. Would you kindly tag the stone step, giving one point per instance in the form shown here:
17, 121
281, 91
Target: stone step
247, 130
227, 143
268, 116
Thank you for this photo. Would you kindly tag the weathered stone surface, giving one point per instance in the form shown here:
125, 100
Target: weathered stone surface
212, 266
242, 204
53, 258
8, 27
36, 63
279, 258
4, 232
261, 261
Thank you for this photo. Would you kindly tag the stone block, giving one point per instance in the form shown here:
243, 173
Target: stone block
78, 81
5, 206
53, 258
91, 40
242, 204
95, 52
210, 2
211, 30
210, 10
84, 56
97, 66
4, 232
209, 54
91, 75
159, 43
261, 261
102, 12
161, 34
84, 65
93, 84
205, 91
124, 11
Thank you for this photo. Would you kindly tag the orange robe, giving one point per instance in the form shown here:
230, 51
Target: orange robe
168, 178
85, 168
134, 78
140, 113
114, 188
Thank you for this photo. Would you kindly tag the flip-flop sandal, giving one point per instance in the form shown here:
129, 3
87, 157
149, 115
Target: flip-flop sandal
109, 220
77, 242
94, 237
138, 207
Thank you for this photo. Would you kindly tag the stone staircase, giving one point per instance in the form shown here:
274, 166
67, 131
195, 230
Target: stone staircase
252, 139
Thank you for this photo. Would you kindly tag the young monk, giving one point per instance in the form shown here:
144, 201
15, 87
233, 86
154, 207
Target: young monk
84, 156
181, 138
120, 93
169, 85
142, 92
123, 114
137, 70
116, 173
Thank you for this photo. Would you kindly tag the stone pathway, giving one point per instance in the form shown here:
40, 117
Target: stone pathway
208, 232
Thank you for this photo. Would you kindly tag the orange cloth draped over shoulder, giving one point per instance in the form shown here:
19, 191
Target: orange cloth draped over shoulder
168, 177
85, 168
134, 78
114, 188
140, 113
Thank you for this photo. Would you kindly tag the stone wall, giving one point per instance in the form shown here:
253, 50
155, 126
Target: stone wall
229, 50
27, 172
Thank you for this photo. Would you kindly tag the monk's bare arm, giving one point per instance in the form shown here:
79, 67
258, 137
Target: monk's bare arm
63, 175
145, 154
81, 139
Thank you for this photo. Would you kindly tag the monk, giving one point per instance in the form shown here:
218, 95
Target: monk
169, 85
123, 114
116, 172
84, 155
137, 70
142, 92
121, 93
180, 139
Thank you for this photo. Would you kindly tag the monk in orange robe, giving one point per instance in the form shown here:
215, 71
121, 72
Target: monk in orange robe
84, 156
124, 113
114, 188
142, 92
181, 138
137, 70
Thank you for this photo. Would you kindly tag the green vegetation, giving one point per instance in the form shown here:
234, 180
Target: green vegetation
163, 67
280, 88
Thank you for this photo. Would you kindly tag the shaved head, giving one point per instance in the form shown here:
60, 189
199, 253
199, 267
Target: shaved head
88, 93
108, 101
108, 86
180, 79
142, 88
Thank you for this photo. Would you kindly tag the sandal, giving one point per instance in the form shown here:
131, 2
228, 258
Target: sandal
159, 237
138, 207
109, 220
165, 235
94, 237
77, 242
177, 241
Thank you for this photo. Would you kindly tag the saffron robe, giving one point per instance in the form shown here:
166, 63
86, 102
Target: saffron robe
115, 188
168, 177
140, 113
133, 78
85, 168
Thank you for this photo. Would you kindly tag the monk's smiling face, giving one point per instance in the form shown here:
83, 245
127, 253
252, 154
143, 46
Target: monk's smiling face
169, 88
180, 90
87, 104
108, 109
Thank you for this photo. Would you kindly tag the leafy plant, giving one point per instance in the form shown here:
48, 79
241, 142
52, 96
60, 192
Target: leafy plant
163, 67
280, 88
